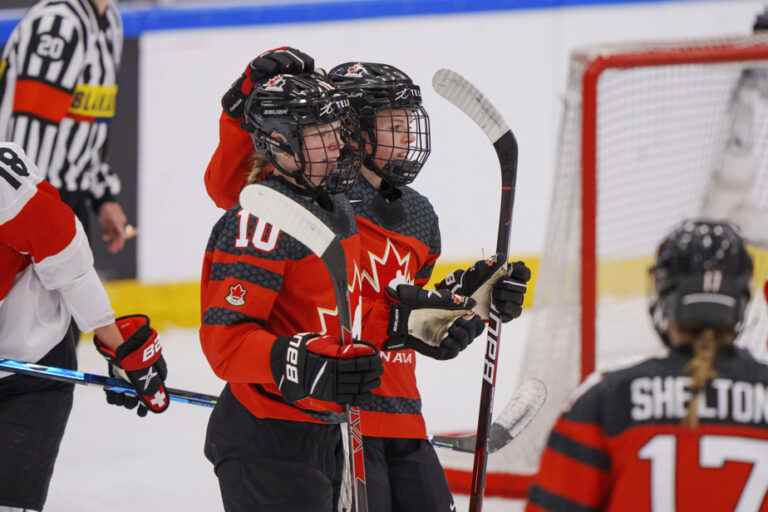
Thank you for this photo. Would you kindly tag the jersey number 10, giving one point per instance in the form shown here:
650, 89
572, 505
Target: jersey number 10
264, 235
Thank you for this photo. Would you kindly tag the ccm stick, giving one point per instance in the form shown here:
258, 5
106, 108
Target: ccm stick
466, 97
294, 219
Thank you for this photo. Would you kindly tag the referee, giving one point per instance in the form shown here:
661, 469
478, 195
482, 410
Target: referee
58, 88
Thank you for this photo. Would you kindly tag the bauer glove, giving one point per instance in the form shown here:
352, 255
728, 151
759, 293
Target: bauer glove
279, 61
436, 323
492, 279
139, 361
319, 366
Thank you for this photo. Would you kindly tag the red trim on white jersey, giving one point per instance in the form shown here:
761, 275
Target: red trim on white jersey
46, 264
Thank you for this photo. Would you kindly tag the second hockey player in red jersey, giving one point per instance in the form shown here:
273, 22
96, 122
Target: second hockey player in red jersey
400, 244
685, 432
46, 280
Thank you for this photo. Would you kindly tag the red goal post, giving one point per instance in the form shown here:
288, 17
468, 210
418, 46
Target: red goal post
707, 52
651, 132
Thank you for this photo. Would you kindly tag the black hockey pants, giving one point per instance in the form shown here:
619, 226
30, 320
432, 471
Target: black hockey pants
266, 465
33, 416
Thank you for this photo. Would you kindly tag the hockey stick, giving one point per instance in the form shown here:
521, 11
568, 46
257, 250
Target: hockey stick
518, 413
502, 431
293, 218
109, 383
462, 94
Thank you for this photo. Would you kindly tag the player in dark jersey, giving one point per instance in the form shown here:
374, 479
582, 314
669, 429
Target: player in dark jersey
270, 327
687, 431
47, 279
58, 91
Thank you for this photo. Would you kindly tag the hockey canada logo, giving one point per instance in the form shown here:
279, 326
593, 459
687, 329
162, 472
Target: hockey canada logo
276, 84
355, 71
236, 295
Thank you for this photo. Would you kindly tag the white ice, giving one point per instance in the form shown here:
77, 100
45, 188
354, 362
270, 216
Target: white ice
111, 460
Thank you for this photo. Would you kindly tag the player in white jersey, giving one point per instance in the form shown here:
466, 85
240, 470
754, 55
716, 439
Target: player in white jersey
58, 89
46, 279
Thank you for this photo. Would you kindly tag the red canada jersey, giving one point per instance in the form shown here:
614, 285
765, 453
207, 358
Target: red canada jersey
259, 283
230, 164
400, 240
621, 445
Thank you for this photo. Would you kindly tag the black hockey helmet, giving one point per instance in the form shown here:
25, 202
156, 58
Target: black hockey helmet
378, 90
702, 277
295, 107
761, 21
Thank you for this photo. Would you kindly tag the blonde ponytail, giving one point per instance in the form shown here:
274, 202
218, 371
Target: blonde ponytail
259, 167
701, 368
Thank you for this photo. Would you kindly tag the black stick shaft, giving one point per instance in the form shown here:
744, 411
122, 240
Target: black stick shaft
506, 150
335, 263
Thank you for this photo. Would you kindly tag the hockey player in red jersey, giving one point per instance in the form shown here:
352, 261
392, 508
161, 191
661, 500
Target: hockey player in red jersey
46, 279
687, 431
400, 245
269, 322
401, 242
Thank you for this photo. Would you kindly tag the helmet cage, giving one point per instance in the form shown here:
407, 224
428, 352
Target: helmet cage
398, 142
390, 110
280, 124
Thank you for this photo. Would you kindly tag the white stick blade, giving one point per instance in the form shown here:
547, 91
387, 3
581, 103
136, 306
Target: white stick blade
523, 407
466, 97
288, 216
517, 414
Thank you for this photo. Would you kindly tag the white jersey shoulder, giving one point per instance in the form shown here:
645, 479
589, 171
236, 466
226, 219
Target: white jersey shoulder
18, 180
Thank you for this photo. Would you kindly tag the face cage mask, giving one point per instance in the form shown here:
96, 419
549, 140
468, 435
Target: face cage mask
346, 168
400, 146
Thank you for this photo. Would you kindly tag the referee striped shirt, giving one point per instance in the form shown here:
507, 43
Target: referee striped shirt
58, 88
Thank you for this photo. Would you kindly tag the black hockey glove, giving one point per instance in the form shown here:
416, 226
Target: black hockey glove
284, 60
436, 323
320, 366
140, 362
491, 278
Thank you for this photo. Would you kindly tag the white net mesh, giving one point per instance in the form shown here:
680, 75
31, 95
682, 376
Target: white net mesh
672, 141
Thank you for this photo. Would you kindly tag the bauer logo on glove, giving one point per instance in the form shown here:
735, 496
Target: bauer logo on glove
138, 360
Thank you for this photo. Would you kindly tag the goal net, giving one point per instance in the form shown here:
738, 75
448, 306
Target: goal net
651, 133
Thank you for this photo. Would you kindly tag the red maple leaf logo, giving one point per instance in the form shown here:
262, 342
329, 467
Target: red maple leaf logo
236, 295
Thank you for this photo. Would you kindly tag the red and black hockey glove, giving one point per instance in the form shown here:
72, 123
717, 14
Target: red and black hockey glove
139, 360
320, 366
279, 61
488, 278
436, 323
